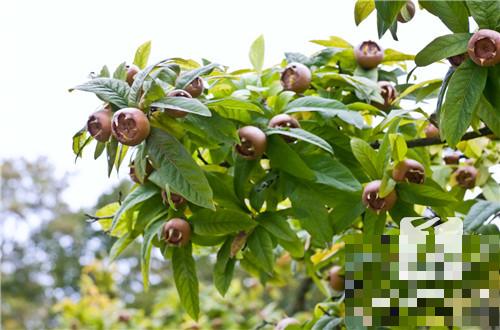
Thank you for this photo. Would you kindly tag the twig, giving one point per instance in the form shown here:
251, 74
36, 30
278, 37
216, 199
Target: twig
324, 311
435, 141
93, 218
201, 157
263, 324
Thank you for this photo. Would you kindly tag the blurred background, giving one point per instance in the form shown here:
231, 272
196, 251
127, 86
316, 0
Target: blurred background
54, 267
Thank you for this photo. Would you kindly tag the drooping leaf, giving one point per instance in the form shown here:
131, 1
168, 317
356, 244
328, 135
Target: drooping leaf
283, 157
221, 222
224, 267
120, 245
362, 9
443, 47
256, 53
186, 280
331, 172
489, 115
147, 245
107, 89
99, 149
111, 152
464, 92
177, 169
277, 226
261, 245
367, 157
387, 11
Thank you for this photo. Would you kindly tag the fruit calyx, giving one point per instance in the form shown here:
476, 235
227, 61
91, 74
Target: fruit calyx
253, 142
99, 125
388, 93
177, 199
176, 231
376, 203
195, 87
484, 47
296, 77
368, 54
130, 126
466, 176
409, 170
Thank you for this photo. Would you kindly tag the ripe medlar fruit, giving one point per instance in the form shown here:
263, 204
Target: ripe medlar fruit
253, 142
452, 158
282, 121
409, 12
409, 170
176, 232
130, 126
149, 169
296, 77
466, 176
456, 60
99, 125
174, 112
368, 55
177, 199
388, 93
337, 281
431, 131
132, 70
376, 203
195, 88
285, 323
484, 47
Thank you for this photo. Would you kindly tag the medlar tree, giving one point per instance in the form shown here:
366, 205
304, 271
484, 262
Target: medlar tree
289, 159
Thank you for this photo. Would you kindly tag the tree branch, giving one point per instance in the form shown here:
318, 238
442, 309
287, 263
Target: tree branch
435, 141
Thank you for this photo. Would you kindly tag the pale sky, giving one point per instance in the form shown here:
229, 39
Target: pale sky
49, 46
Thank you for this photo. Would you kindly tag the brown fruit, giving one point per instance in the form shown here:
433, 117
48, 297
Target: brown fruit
376, 203
253, 142
296, 77
407, 12
388, 93
368, 55
409, 170
431, 131
177, 199
456, 60
99, 125
174, 112
466, 176
337, 281
176, 232
133, 176
132, 70
130, 126
452, 159
283, 324
484, 47
284, 121
195, 88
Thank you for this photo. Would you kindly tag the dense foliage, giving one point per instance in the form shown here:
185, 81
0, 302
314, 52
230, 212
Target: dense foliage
256, 164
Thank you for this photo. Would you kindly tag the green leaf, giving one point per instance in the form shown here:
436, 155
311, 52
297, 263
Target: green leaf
220, 222
120, 245
187, 77
104, 72
107, 89
136, 89
327, 322
387, 11
362, 9
121, 71
303, 135
443, 47
222, 186
399, 148
277, 226
256, 54
224, 267
186, 280
122, 152
424, 194
367, 157
153, 93
331, 172
333, 41
261, 245
99, 149
142, 55
242, 170
479, 213
412, 88
283, 157
79, 141
486, 13
391, 55
464, 92
183, 104
147, 245
234, 104
491, 190
489, 115
111, 152
177, 169
373, 223
344, 214
314, 103
453, 14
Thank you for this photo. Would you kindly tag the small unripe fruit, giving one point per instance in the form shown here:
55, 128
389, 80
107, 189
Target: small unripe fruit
456, 60
431, 131
133, 176
195, 88
376, 203
99, 125
368, 55
124, 318
466, 176
484, 47
130, 126
132, 70
177, 199
283, 324
176, 232
409, 170
388, 93
253, 142
283, 121
409, 10
296, 77
337, 281
174, 112
452, 158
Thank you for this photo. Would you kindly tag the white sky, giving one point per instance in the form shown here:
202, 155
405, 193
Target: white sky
49, 46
